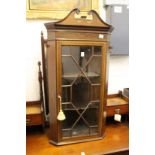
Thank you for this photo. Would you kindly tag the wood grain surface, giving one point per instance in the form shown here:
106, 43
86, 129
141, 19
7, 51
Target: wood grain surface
116, 140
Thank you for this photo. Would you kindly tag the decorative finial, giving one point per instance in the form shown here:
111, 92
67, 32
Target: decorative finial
89, 12
77, 10
39, 63
42, 34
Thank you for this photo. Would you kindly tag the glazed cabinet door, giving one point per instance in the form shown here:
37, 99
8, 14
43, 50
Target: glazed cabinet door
80, 76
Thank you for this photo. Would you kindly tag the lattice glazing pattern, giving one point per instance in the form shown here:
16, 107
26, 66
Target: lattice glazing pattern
81, 75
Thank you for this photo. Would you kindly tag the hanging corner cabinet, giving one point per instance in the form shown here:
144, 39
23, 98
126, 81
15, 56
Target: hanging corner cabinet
77, 71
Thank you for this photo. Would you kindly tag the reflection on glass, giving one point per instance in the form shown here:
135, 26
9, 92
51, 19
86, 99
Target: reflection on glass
80, 128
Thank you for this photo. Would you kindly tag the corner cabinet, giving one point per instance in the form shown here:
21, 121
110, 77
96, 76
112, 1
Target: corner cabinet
77, 58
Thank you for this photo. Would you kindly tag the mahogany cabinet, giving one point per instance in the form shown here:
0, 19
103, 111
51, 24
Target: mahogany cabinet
77, 72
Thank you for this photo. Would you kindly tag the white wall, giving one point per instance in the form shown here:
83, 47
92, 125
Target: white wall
33, 55
118, 73
118, 69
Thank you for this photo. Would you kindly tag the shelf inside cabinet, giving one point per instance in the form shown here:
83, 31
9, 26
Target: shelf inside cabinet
71, 106
74, 75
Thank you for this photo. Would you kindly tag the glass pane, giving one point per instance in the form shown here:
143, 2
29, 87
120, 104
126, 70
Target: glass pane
69, 70
95, 92
81, 92
67, 106
81, 73
66, 94
91, 115
81, 54
97, 50
71, 117
66, 132
80, 129
66, 50
94, 104
85, 54
93, 70
94, 130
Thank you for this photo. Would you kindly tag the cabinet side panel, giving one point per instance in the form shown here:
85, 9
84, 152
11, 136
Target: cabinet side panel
53, 132
104, 83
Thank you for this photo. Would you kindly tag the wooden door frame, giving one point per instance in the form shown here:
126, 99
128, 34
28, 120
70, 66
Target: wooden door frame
103, 88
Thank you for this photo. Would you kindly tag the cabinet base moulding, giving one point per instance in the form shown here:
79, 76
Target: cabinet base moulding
76, 141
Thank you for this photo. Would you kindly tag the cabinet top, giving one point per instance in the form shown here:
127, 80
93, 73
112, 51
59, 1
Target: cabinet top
78, 21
